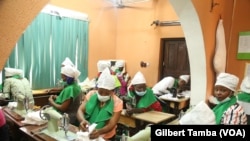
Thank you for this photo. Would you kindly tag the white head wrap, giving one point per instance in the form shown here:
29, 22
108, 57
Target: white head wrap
67, 61
245, 85
101, 65
12, 71
70, 71
227, 80
106, 80
200, 114
138, 79
185, 78
119, 64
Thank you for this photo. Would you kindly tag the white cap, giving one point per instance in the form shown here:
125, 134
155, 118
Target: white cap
185, 78
119, 63
227, 80
101, 65
200, 114
245, 85
67, 61
70, 71
138, 79
12, 71
106, 80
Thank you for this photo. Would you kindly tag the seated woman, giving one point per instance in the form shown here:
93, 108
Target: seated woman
102, 107
141, 98
69, 93
123, 78
227, 110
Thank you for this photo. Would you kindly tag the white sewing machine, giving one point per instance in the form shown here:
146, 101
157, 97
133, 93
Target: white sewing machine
56, 121
22, 104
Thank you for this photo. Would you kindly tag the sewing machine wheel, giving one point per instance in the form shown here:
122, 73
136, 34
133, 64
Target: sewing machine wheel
43, 115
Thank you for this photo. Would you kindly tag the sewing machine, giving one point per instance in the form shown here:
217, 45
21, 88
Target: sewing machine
22, 104
56, 122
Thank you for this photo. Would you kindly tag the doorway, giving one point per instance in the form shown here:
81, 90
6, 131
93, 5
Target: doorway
174, 60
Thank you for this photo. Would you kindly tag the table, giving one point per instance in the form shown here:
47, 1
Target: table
154, 117
33, 132
177, 104
150, 117
41, 96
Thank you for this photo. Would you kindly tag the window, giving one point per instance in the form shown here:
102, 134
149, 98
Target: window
45, 44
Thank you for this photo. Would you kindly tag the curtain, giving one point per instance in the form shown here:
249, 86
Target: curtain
45, 44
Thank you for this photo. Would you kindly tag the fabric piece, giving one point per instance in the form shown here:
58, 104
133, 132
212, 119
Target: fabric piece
84, 136
138, 79
245, 85
67, 61
106, 80
13, 71
70, 71
101, 65
227, 80
219, 60
185, 78
200, 114
34, 118
161, 86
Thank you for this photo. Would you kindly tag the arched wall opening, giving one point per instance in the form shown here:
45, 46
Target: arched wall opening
195, 43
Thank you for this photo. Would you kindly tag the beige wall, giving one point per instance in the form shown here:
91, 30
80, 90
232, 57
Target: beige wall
14, 18
126, 33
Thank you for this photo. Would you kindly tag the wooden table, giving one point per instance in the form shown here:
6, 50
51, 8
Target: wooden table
41, 96
177, 104
153, 117
33, 133
132, 124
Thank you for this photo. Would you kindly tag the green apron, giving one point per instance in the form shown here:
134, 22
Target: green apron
96, 114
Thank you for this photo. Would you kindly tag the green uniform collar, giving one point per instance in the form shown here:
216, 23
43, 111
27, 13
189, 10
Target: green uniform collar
96, 114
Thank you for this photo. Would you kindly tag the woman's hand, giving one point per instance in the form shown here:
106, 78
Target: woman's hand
84, 125
95, 134
52, 98
129, 112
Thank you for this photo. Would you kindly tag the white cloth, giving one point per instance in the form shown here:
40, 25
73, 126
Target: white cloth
138, 79
201, 114
106, 80
245, 85
185, 78
161, 86
84, 136
67, 61
70, 71
101, 65
220, 55
227, 80
12, 71
12, 105
34, 118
